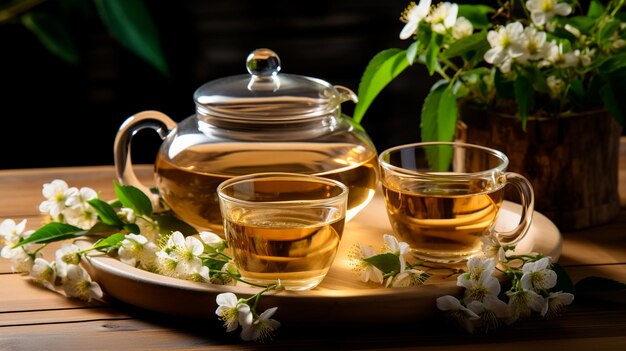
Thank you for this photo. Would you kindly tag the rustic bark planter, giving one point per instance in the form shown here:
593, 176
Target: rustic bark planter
571, 161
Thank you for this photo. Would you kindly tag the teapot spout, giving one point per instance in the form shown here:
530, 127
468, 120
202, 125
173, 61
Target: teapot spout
345, 94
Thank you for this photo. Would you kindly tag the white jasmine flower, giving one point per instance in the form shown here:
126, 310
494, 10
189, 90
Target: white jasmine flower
443, 17
127, 215
537, 276
462, 28
477, 267
392, 245
555, 56
556, 303
232, 311
166, 264
478, 290
81, 215
542, 11
412, 16
186, 250
523, 302
213, 241
81, 197
56, 192
137, 251
148, 228
366, 271
534, 44
409, 277
491, 311
457, 312
556, 85
21, 260
586, 55
506, 44
44, 272
80, 285
67, 255
226, 279
200, 274
12, 233
492, 248
262, 328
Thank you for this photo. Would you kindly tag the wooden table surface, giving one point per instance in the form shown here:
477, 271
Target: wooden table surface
34, 318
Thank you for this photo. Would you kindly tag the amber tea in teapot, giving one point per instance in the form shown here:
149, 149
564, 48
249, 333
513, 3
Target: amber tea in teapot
188, 183
261, 122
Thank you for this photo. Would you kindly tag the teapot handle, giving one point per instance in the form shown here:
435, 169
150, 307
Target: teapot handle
121, 149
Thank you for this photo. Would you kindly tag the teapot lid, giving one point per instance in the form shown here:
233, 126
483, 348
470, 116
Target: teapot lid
265, 95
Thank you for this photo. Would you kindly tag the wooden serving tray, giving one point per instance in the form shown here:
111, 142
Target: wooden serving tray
340, 298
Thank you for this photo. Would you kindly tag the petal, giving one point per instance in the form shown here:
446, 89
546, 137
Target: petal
526, 281
268, 313
423, 8
226, 299
409, 29
245, 316
538, 17
249, 333
450, 19
549, 278
562, 9
210, 238
476, 307
178, 239
493, 55
95, 290
448, 303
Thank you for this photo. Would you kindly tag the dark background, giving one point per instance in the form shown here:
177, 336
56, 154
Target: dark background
58, 114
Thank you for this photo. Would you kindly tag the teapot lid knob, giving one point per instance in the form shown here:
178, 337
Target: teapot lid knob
263, 63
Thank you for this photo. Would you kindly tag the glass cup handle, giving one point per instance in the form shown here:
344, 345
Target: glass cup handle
121, 149
527, 197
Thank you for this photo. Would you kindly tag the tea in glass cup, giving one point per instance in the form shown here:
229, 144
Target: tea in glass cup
283, 226
443, 197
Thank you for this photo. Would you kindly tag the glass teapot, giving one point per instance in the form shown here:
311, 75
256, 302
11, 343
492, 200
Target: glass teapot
262, 122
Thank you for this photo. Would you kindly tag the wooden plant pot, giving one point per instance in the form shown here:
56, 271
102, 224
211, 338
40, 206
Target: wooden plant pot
571, 161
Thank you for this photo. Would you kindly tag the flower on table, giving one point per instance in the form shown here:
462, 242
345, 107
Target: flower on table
491, 312
455, 311
262, 328
537, 275
44, 273
556, 303
232, 311
12, 233
443, 17
68, 254
506, 45
21, 260
523, 302
79, 284
409, 277
366, 271
56, 193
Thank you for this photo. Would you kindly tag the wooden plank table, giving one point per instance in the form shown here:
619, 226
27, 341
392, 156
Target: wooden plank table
34, 318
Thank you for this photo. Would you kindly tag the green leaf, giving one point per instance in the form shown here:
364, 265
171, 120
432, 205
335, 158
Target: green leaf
596, 8
112, 241
380, 71
477, 14
592, 285
134, 199
577, 91
430, 111
432, 53
613, 63
53, 34
607, 31
563, 280
51, 232
132, 228
537, 79
505, 88
102, 229
462, 46
168, 223
446, 115
610, 93
116, 204
524, 98
106, 213
386, 262
411, 52
129, 21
